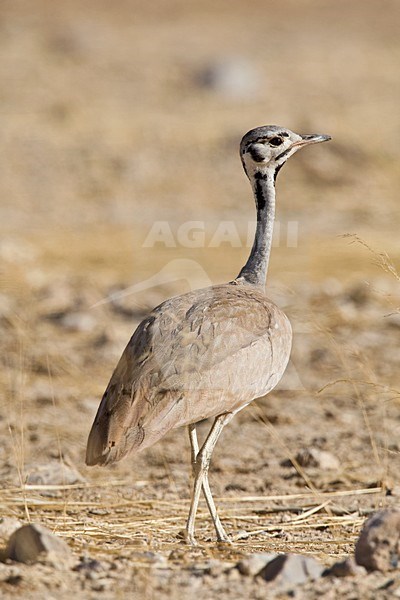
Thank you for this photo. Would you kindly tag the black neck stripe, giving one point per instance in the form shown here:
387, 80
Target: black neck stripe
278, 168
260, 197
260, 175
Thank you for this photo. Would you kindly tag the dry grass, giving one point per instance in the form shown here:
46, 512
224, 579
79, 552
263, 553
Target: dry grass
130, 523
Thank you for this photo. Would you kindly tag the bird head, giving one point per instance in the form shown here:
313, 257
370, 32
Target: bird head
266, 149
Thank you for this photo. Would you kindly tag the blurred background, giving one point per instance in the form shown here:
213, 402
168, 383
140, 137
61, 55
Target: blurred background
120, 117
116, 116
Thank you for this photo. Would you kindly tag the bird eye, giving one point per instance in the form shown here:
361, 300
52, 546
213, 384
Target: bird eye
275, 141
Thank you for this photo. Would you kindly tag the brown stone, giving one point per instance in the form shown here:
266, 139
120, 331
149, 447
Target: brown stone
34, 543
378, 546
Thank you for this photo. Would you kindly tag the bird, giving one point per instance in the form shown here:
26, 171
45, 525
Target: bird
207, 353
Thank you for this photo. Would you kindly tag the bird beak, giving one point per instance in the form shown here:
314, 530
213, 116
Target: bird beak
314, 138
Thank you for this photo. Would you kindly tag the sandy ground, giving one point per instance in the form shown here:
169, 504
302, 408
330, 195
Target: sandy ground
117, 118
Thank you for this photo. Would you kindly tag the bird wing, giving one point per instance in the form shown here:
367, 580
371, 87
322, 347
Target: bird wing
181, 351
198, 336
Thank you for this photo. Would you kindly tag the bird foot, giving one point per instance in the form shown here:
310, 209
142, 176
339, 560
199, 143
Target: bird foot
224, 539
189, 538
222, 536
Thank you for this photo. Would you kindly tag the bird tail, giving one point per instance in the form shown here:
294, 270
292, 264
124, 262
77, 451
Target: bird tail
115, 431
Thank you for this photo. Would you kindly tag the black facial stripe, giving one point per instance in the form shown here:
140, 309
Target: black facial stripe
282, 154
256, 153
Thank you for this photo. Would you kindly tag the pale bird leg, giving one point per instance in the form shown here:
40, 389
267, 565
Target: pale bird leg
200, 464
221, 535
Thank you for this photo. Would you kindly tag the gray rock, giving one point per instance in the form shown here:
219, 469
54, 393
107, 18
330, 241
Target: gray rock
345, 568
291, 569
378, 547
34, 543
251, 565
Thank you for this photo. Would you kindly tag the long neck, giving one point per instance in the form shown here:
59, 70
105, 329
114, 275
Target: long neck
255, 269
